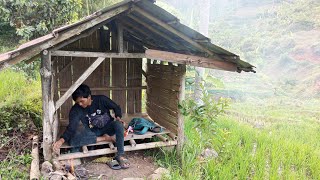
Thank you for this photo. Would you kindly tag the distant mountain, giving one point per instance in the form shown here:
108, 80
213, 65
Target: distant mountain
280, 37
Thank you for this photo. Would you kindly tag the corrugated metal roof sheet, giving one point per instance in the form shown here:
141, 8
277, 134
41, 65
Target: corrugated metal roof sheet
175, 43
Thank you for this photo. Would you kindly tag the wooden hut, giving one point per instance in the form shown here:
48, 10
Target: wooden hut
125, 51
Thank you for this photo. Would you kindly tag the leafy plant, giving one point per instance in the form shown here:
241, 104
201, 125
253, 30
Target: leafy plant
34, 18
206, 114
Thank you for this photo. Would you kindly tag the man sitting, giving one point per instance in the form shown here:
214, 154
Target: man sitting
93, 111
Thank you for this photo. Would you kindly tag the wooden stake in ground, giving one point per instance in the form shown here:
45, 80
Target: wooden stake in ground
34, 169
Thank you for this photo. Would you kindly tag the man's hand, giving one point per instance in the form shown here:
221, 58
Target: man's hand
119, 119
57, 145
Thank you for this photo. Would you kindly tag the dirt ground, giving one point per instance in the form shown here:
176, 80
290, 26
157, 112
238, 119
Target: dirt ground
141, 166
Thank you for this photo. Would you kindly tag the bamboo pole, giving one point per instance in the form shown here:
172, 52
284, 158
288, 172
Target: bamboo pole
172, 136
162, 138
34, 169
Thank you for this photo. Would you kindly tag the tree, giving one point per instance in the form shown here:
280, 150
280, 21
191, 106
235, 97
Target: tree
204, 29
33, 18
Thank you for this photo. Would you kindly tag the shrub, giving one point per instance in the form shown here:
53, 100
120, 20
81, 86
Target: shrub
20, 101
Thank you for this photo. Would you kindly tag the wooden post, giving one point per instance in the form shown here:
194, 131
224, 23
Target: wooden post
120, 37
180, 116
47, 103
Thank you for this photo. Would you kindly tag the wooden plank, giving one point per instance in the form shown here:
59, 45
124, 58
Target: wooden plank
165, 101
78, 82
163, 92
165, 76
191, 60
162, 109
65, 81
165, 69
163, 122
169, 81
98, 54
130, 82
109, 151
161, 116
138, 82
106, 77
162, 84
119, 80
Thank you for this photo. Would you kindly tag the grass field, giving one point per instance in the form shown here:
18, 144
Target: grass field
254, 141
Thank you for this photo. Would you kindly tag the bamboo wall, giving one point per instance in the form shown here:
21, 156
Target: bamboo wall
163, 94
112, 78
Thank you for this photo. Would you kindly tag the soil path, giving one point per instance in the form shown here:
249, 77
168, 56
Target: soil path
141, 166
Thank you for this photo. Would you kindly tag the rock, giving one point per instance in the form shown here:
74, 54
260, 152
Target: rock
158, 174
161, 171
155, 177
57, 175
46, 169
207, 153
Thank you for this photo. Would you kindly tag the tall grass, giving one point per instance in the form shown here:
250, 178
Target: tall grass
15, 87
260, 142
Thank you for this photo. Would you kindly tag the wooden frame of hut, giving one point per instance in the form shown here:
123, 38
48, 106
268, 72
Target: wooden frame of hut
106, 51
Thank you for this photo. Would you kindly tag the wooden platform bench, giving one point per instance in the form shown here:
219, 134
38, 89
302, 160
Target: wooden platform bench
132, 142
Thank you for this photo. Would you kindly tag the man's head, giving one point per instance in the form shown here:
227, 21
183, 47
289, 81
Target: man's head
82, 96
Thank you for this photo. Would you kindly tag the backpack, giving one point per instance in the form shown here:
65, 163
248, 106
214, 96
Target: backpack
141, 126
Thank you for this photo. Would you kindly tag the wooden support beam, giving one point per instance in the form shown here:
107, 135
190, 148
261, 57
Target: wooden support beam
97, 54
81, 79
111, 146
85, 149
132, 142
191, 60
110, 88
120, 37
172, 30
47, 103
181, 97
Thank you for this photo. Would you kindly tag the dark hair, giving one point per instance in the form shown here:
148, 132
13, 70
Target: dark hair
82, 91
